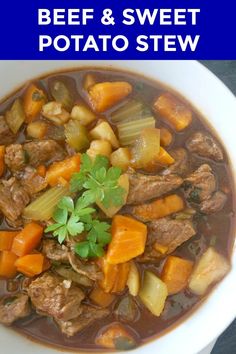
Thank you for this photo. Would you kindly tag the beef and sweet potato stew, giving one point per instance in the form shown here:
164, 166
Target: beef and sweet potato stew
117, 210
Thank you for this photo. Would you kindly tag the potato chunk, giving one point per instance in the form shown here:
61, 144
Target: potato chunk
99, 147
121, 158
104, 131
210, 268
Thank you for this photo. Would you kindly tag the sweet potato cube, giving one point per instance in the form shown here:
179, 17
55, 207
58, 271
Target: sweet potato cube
175, 273
128, 239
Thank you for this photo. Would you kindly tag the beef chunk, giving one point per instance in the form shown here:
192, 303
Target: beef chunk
31, 181
144, 187
91, 270
181, 164
167, 232
200, 184
14, 307
52, 295
205, 145
44, 152
214, 203
15, 158
88, 315
13, 199
54, 251
6, 135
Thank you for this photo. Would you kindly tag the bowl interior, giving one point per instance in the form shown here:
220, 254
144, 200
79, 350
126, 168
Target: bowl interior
201, 88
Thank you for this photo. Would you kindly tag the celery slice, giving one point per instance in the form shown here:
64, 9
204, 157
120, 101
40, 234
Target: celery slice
16, 116
131, 110
129, 131
153, 293
76, 135
43, 207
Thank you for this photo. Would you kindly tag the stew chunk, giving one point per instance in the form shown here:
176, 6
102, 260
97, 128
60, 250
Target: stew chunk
14, 307
144, 187
165, 235
13, 199
200, 184
56, 297
44, 152
205, 145
6, 136
88, 315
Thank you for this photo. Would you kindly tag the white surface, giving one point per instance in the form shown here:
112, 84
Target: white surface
218, 104
208, 349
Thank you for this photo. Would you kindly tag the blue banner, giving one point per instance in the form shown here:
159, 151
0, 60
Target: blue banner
105, 29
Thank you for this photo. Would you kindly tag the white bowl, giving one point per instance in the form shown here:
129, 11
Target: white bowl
218, 105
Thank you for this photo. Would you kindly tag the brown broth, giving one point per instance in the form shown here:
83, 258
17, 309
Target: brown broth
221, 225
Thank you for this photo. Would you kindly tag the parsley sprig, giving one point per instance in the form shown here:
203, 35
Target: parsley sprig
97, 182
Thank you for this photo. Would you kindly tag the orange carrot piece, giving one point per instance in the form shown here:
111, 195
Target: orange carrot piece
33, 101
114, 276
2, 162
99, 297
160, 248
164, 158
63, 169
175, 273
110, 273
31, 264
159, 208
166, 136
115, 336
27, 239
173, 110
121, 278
6, 239
128, 239
104, 95
7, 264
41, 170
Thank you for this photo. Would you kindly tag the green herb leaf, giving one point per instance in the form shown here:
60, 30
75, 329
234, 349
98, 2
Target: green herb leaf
77, 181
82, 249
74, 227
60, 215
96, 250
66, 203
97, 182
52, 227
61, 233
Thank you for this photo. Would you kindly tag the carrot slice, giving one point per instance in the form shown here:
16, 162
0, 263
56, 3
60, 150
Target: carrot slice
159, 208
6, 239
110, 272
128, 239
175, 273
115, 276
31, 264
173, 110
115, 336
104, 95
121, 278
63, 169
41, 170
2, 162
27, 239
166, 137
99, 297
33, 101
7, 264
